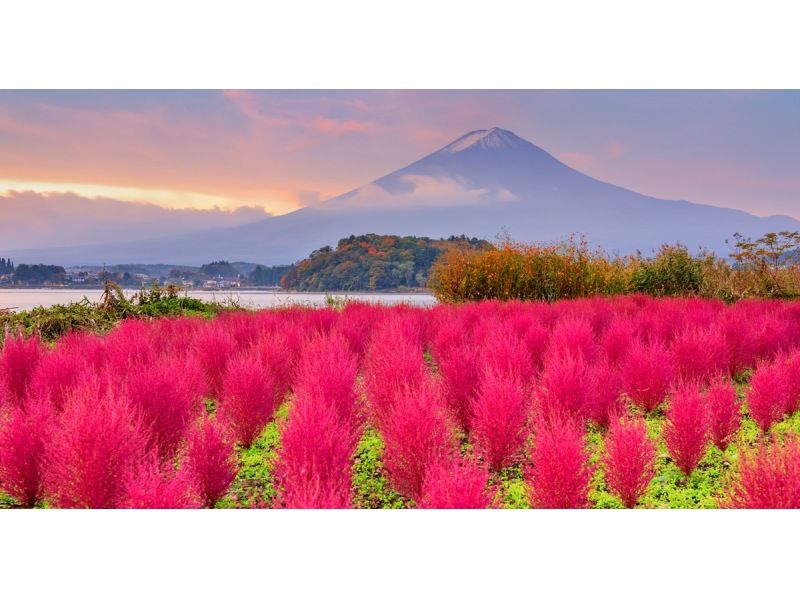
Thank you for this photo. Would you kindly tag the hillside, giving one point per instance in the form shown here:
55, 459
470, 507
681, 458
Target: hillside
372, 263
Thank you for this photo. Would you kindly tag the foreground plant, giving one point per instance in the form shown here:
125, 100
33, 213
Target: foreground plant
209, 462
686, 428
457, 483
24, 432
629, 459
768, 477
559, 475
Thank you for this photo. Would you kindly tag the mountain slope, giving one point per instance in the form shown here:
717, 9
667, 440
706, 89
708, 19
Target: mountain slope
482, 184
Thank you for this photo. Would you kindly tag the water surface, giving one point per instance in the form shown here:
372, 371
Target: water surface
23, 299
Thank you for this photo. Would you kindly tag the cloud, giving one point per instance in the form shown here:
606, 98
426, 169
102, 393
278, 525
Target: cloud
33, 220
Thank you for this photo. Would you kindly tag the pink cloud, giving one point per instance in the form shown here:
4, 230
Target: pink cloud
577, 160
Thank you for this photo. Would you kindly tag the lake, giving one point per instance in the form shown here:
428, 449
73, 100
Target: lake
22, 299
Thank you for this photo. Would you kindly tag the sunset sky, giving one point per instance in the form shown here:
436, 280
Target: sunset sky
281, 150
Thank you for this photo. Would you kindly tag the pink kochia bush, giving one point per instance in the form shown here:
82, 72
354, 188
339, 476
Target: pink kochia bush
457, 483
415, 436
319, 439
768, 394
647, 374
565, 385
157, 486
686, 428
18, 359
629, 459
209, 462
249, 397
724, 412
559, 474
768, 477
24, 432
168, 395
499, 418
95, 445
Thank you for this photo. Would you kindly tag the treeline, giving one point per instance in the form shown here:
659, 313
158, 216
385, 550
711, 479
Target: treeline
768, 267
32, 273
373, 262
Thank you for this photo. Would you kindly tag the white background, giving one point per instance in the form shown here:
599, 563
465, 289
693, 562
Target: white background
410, 44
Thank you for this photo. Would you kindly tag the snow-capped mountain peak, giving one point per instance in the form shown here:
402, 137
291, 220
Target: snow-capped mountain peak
487, 139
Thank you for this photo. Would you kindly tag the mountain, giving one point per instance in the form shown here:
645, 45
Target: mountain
484, 183
66, 219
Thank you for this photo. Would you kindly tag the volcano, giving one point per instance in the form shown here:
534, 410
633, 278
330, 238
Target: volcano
486, 183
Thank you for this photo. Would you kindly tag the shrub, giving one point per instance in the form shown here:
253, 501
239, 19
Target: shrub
24, 432
573, 336
616, 339
315, 458
278, 356
18, 359
767, 395
57, 374
457, 483
629, 459
724, 412
249, 397
647, 374
168, 394
768, 477
605, 387
700, 354
97, 442
156, 486
559, 475
416, 434
213, 347
391, 363
321, 434
460, 379
564, 385
686, 428
209, 463
499, 417
671, 272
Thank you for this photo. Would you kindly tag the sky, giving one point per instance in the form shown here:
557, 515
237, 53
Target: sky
282, 150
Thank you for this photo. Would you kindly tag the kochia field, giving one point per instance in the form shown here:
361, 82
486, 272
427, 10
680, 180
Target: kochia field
610, 403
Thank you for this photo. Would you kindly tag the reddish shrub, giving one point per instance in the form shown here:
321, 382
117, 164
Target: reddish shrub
392, 363
790, 365
565, 385
156, 486
605, 387
700, 354
213, 347
316, 457
647, 374
501, 351
18, 359
455, 484
499, 417
768, 477
416, 434
460, 380
768, 395
249, 398
724, 412
168, 394
326, 375
686, 428
210, 464
629, 459
573, 336
616, 339
278, 356
559, 475
24, 432
57, 374
96, 443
